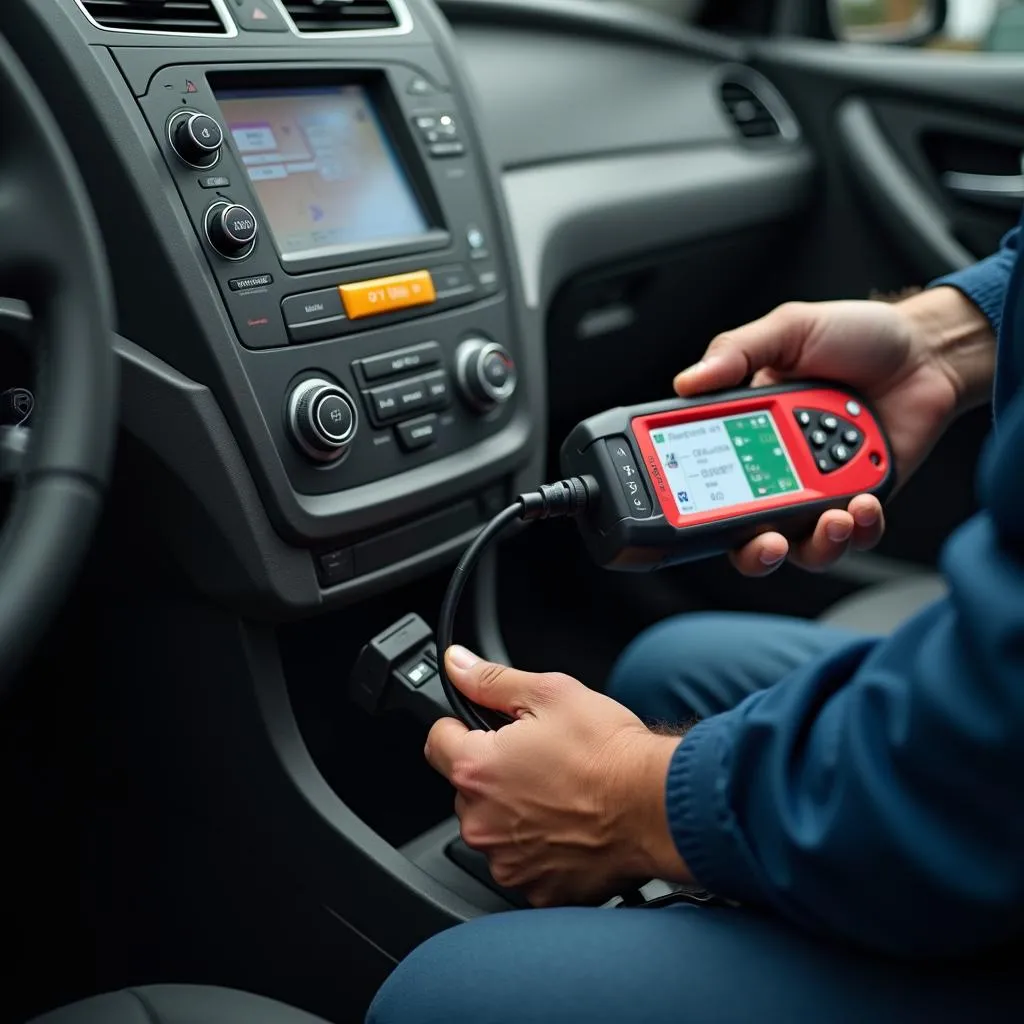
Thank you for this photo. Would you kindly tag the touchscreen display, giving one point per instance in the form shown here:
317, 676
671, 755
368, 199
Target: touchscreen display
714, 464
327, 176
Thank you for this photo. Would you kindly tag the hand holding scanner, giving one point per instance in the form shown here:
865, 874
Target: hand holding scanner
690, 478
656, 485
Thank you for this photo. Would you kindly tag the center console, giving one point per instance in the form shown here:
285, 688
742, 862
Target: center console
303, 223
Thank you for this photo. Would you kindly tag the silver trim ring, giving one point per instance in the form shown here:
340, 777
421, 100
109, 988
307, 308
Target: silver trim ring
507, 390
172, 122
206, 230
314, 390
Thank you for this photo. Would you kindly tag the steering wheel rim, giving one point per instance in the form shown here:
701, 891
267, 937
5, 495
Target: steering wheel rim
51, 257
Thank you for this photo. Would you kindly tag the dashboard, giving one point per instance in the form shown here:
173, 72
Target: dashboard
336, 229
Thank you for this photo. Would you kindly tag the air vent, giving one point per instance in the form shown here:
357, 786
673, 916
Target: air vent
172, 17
342, 16
757, 110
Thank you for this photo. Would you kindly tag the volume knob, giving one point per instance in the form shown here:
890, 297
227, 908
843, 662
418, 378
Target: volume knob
232, 230
195, 138
486, 373
322, 419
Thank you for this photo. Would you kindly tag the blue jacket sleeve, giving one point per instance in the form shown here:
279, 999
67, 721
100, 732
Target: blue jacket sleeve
878, 796
985, 283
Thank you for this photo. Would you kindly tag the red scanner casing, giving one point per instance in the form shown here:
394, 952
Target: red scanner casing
621, 536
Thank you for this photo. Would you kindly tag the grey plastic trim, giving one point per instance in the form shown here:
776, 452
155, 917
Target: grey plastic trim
625, 22
924, 228
568, 216
230, 29
402, 15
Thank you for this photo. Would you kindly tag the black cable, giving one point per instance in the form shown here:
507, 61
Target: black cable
566, 498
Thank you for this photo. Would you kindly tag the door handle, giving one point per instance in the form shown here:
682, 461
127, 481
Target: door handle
1005, 191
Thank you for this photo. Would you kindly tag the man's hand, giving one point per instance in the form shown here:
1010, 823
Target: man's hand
919, 362
568, 801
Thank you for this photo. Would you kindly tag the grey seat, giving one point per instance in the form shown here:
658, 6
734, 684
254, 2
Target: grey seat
178, 1004
878, 610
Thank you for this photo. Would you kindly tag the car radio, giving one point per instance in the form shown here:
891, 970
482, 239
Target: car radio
343, 216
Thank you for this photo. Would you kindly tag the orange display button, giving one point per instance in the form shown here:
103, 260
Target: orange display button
386, 294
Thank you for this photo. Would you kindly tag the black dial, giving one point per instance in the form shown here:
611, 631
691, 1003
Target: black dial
322, 419
232, 230
196, 138
486, 373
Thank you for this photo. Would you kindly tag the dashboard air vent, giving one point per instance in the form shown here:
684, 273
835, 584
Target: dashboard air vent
314, 16
756, 107
175, 17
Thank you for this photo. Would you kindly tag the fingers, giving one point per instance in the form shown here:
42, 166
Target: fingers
869, 522
762, 556
773, 341
829, 542
444, 742
498, 686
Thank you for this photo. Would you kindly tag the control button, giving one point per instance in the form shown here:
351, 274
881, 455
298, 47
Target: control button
803, 417
420, 86
426, 124
334, 416
487, 278
195, 138
396, 401
853, 408
826, 465
419, 672
311, 307
629, 477
486, 373
851, 438
446, 149
231, 230
387, 294
446, 126
244, 284
416, 434
477, 242
841, 453
259, 16
336, 567
215, 181
819, 438
322, 419
829, 423
453, 281
403, 360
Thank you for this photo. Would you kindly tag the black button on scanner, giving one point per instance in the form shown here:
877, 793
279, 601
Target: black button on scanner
630, 478
819, 438
829, 423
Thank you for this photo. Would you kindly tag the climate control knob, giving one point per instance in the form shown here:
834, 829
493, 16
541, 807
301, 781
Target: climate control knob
195, 138
232, 230
322, 419
486, 373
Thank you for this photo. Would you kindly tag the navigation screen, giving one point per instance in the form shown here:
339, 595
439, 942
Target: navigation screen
714, 464
326, 174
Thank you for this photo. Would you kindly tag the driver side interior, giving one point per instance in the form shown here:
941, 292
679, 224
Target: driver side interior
192, 792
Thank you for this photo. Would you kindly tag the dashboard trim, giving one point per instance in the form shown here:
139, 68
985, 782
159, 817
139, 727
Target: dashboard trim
403, 28
220, 6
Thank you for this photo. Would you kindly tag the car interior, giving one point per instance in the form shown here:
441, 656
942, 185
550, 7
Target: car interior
297, 295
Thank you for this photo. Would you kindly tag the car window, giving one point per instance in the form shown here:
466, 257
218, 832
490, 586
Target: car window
993, 26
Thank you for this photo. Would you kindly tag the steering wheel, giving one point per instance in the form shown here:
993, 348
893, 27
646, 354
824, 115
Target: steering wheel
51, 258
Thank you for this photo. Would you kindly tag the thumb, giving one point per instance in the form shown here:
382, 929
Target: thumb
497, 686
773, 341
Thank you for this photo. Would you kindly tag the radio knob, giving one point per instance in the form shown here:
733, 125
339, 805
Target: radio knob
232, 230
196, 138
322, 419
486, 373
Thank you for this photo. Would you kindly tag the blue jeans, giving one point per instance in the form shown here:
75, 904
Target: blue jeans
681, 964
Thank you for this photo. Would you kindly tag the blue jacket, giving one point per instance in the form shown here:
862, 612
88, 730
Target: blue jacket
878, 796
